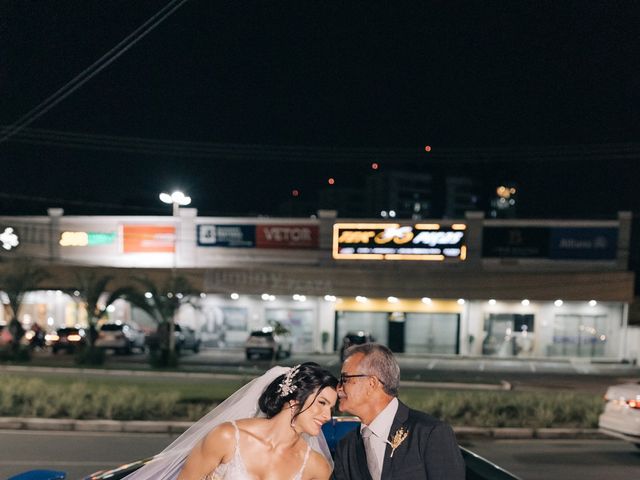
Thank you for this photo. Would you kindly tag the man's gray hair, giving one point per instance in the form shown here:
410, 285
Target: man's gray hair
378, 360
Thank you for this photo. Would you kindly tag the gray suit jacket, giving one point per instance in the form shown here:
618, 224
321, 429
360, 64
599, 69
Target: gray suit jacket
429, 452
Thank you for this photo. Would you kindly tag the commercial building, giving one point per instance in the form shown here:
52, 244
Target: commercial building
471, 286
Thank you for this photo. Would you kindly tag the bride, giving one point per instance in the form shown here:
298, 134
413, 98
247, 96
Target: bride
270, 429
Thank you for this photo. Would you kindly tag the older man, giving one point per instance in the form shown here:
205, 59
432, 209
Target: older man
394, 441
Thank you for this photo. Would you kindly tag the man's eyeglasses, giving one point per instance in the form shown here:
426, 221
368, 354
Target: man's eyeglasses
344, 378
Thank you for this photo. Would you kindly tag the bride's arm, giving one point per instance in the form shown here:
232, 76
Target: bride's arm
216, 448
318, 468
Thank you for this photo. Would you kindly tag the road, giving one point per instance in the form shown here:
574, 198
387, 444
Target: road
78, 454
561, 459
81, 453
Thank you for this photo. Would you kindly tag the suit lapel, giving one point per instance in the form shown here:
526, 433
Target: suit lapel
361, 458
401, 416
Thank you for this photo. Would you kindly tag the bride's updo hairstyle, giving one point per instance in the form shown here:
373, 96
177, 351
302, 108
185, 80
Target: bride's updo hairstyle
297, 385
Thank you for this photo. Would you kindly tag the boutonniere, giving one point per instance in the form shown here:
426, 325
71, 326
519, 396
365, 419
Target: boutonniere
397, 439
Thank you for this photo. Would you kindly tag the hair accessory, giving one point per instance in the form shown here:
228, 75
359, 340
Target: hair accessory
287, 387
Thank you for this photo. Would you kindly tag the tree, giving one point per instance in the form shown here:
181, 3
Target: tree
90, 287
20, 277
162, 304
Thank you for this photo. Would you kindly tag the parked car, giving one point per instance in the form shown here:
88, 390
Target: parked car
267, 343
186, 339
122, 337
69, 339
354, 338
621, 416
477, 468
5, 335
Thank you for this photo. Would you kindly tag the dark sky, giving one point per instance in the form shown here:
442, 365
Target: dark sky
464, 77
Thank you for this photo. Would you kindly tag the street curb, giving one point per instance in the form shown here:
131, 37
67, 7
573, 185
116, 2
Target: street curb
139, 426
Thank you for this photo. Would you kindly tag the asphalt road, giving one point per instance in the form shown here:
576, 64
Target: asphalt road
82, 453
562, 459
78, 454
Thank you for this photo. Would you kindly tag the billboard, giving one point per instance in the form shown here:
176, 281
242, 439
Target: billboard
234, 236
148, 239
258, 236
287, 236
392, 241
557, 243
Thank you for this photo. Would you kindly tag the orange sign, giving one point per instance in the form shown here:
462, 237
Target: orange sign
148, 239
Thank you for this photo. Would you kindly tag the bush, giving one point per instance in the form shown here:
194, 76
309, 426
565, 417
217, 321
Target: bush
508, 409
23, 396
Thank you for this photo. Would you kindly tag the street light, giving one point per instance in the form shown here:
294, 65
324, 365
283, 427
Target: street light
177, 199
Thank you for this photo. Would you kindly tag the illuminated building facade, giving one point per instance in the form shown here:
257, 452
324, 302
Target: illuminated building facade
469, 286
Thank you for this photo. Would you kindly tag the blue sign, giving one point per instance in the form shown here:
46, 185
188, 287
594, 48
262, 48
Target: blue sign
584, 243
231, 236
557, 243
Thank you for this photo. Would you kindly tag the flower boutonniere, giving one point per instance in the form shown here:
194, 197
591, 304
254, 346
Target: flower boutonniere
397, 439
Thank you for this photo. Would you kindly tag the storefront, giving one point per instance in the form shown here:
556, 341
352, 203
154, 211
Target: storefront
503, 288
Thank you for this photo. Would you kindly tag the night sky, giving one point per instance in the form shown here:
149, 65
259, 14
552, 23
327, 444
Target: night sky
311, 90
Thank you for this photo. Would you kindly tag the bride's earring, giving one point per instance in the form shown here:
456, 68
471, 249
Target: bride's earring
293, 418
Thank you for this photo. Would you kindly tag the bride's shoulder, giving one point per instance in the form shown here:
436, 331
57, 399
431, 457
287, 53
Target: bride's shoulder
251, 424
225, 431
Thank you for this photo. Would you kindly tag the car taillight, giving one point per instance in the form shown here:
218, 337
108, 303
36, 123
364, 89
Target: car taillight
631, 403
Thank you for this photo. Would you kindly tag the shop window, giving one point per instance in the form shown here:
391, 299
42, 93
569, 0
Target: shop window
374, 323
579, 336
225, 327
432, 333
508, 335
299, 322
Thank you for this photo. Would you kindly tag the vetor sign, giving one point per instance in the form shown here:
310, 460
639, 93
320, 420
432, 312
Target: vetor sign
258, 236
287, 236
380, 241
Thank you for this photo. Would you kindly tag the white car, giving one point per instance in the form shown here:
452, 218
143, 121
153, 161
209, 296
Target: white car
122, 337
621, 416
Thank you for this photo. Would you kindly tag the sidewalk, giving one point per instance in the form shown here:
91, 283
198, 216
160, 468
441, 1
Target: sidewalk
175, 428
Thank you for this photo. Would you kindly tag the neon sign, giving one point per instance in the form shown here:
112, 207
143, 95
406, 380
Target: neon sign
9, 239
385, 241
86, 239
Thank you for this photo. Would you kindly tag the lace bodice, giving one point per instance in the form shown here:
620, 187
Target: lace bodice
235, 469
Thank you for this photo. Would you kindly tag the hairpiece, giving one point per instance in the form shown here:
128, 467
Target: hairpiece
287, 387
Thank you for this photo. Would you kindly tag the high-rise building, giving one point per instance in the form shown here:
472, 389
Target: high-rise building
461, 196
400, 194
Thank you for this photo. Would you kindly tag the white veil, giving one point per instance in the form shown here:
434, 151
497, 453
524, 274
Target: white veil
242, 404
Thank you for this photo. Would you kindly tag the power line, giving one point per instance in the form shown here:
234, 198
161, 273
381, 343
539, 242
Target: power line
235, 152
91, 71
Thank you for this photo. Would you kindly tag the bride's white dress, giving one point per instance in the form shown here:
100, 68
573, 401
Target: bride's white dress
235, 469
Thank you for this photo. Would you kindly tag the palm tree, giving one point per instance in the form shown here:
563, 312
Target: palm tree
20, 277
90, 287
162, 304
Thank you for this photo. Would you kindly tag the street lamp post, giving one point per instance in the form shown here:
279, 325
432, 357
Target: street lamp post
177, 199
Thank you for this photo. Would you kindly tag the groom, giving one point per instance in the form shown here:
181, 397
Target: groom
394, 441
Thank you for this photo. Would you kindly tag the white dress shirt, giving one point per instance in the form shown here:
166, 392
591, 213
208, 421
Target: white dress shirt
380, 428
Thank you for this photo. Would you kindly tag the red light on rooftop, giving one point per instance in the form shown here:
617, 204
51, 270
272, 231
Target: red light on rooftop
331, 181
427, 148
375, 166
295, 192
